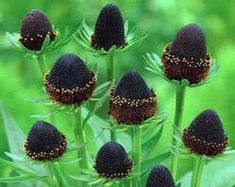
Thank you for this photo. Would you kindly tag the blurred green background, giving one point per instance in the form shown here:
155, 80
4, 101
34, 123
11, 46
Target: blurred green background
161, 19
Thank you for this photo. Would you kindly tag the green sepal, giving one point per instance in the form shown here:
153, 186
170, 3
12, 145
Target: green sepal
61, 39
154, 65
84, 34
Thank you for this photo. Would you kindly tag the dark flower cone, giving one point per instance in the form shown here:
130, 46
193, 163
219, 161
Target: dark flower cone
34, 29
70, 81
205, 135
132, 102
160, 176
45, 142
186, 56
109, 29
112, 161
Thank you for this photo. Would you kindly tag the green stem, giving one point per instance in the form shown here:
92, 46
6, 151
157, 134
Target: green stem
41, 64
42, 67
197, 172
54, 174
116, 184
112, 132
110, 67
80, 140
179, 105
136, 148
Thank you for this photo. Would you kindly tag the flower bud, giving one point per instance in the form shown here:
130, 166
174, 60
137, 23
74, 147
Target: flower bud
109, 29
205, 135
160, 176
132, 102
186, 56
45, 142
34, 29
70, 81
112, 161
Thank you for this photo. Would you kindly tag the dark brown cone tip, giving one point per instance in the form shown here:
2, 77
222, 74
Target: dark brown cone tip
205, 135
69, 81
34, 29
112, 161
160, 176
132, 102
45, 142
190, 42
109, 29
186, 57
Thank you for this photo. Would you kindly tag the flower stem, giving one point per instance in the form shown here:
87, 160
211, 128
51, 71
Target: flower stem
41, 64
197, 172
42, 67
80, 140
116, 184
179, 105
54, 174
136, 148
110, 67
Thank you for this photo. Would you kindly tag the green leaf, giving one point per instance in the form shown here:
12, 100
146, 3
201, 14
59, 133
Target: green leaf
21, 178
149, 146
84, 33
16, 166
219, 172
46, 42
61, 39
16, 140
39, 116
74, 147
86, 178
155, 121
98, 181
16, 157
150, 163
100, 128
96, 107
15, 136
154, 65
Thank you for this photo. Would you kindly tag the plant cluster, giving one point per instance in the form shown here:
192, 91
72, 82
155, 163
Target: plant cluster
71, 87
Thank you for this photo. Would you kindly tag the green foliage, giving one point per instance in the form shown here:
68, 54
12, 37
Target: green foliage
154, 65
84, 36
62, 39
223, 173
19, 81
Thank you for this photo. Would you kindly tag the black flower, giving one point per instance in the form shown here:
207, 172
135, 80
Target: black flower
205, 135
70, 81
186, 56
112, 161
160, 176
109, 29
132, 102
34, 29
44, 142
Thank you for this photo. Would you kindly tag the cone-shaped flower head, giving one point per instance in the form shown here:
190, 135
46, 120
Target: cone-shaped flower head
112, 161
44, 142
205, 135
70, 81
34, 29
131, 101
109, 29
186, 56
160, 176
